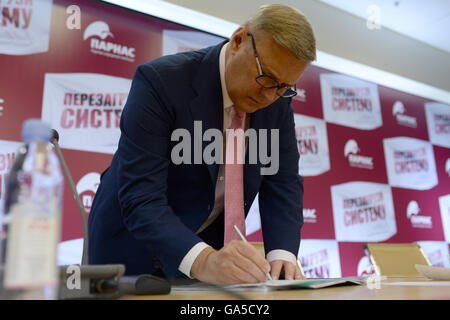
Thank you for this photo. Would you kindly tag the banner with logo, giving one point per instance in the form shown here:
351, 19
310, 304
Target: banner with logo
403, 114
417, 216
444, 206
175, 41
25, 26
363, 211
8, 152
355, 156
438, 121
85, 109
350, 102
410, 163
312, 144
320, 258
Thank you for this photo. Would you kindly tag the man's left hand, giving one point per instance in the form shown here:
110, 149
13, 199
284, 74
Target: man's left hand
291, 271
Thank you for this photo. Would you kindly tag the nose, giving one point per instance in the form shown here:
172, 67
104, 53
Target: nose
269, 94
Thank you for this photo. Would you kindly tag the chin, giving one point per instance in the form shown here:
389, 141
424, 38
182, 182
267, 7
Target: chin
249, 105
250, 108
254, 106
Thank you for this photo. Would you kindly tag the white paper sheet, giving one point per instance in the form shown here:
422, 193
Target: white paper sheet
434, 273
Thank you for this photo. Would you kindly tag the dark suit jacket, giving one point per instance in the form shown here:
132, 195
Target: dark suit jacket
147, 209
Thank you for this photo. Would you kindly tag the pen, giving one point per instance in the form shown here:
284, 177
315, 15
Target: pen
301, 269
245, 240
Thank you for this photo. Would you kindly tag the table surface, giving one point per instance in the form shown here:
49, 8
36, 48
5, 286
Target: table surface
386, 289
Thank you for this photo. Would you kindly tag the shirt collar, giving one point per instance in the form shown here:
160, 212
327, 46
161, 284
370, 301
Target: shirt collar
227, 103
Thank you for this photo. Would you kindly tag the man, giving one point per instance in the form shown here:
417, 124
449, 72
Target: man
157, 215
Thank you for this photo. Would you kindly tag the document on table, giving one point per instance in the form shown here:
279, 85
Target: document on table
434, 273
275, 285
430, 283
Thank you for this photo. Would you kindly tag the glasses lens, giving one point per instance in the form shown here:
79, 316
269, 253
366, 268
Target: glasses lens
266, 81
286, 92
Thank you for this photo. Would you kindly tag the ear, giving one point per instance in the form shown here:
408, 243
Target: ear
238, 39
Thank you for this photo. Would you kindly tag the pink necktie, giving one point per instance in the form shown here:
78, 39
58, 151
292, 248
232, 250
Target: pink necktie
234, 178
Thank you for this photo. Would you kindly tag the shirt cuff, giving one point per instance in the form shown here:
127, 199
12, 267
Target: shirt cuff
189, 258
281, 255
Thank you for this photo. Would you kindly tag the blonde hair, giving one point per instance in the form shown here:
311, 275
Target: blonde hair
288, 27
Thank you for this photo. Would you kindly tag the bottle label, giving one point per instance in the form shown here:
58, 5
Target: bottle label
31, 252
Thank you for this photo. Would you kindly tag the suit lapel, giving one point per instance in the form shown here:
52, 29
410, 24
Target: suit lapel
207, 106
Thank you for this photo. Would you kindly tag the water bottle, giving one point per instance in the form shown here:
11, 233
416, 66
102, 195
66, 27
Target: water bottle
31, 220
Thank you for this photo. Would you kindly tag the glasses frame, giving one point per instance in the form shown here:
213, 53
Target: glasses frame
291, 90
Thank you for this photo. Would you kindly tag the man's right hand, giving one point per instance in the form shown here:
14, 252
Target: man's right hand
236, 262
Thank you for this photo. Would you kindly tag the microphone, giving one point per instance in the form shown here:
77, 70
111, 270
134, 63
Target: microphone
55, 136
145, 284
85, 281
55, 142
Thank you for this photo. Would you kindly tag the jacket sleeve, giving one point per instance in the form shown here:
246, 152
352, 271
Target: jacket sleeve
143, 154
281, 194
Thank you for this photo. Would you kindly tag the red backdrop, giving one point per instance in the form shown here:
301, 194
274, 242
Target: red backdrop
375, 160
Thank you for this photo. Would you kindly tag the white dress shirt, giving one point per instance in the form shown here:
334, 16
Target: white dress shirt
228, 114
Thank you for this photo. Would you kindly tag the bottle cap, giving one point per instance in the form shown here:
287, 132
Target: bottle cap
36, 129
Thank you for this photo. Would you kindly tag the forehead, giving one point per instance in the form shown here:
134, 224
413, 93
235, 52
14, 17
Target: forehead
277, 60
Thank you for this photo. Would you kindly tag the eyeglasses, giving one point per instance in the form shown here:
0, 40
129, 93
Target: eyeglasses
268, 82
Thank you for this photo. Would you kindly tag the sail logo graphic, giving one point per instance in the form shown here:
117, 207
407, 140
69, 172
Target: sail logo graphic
351, 151
398, 111
417, 221
101, 42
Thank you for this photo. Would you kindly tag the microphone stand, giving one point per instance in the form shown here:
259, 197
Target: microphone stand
95, 281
